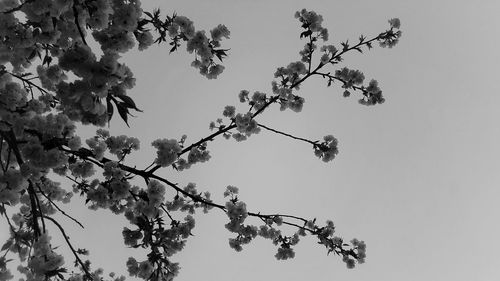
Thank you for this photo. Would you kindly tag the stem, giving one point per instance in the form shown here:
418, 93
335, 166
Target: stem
286, 135
42, 90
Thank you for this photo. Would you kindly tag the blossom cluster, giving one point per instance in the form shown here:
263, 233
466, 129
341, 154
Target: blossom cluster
312, 21
329, 51
326, 150
372, 94
196, 154
350, 77
12, 182
167, 151
237, 213
204, 48
122, 145
391, 37
190, 200
44, 262
246, 125
291, 73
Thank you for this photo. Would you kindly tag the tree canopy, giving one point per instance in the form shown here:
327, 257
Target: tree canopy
60, 68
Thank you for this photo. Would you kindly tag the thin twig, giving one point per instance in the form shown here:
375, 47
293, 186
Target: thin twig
61, 229
286, 135
42, 90
57, 207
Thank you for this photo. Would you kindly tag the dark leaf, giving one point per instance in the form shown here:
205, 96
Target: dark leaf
221, 53
305, 33
345, 45
47, 60
128, 102
144, 196
109, 108
156, 12
54, 22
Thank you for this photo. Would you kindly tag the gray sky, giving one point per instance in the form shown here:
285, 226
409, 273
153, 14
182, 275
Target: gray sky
416, 177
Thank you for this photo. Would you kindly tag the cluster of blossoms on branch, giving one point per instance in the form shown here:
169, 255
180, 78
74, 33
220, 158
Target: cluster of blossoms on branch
38, 139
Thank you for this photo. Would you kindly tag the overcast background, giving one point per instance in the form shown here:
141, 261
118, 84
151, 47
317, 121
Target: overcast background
416, 177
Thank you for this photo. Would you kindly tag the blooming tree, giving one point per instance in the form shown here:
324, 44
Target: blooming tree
72, 85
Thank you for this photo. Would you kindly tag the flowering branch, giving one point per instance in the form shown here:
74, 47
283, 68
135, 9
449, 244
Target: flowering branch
41, 136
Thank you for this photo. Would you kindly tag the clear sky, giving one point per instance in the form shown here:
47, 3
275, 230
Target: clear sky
416, 177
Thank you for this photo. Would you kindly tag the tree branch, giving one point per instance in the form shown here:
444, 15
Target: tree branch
61, 229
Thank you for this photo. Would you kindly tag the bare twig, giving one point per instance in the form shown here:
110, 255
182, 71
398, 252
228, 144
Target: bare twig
57, 207
61, 229
286, 135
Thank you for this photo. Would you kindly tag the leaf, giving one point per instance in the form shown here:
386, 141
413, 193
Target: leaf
32, 55
54, 22
220, 53
156, 13
129, 102
345, 45
47, 60
123, 111
306, 33
109, 108
148, 14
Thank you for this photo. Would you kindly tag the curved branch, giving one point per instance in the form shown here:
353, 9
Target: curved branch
61, 229
57, 207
